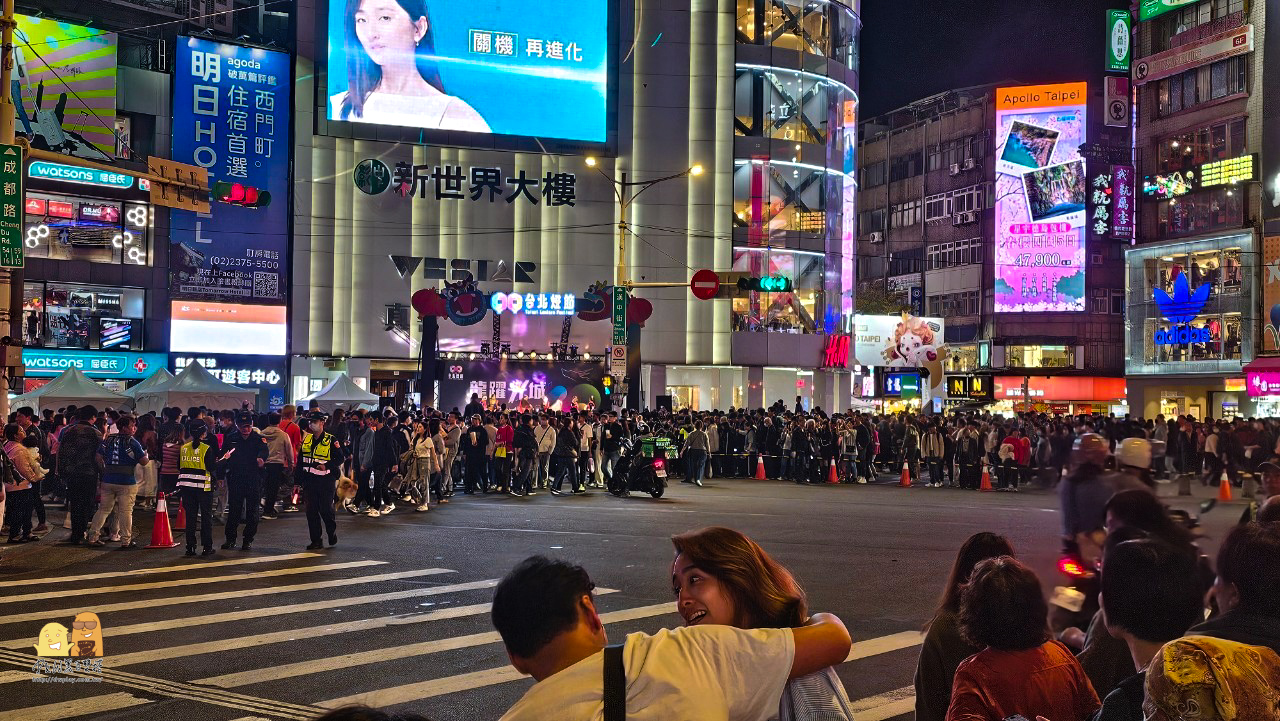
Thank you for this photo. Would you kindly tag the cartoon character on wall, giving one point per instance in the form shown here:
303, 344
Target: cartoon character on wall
53, 640
915, 345
86, 636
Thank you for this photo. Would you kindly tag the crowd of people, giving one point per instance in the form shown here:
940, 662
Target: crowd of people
749, 649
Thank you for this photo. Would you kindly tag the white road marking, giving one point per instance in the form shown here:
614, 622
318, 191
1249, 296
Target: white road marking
176, 582
295, 634
268, 611
162, 569
886, 705
351, 660
91, 706
221, 596
505, 674
885, 644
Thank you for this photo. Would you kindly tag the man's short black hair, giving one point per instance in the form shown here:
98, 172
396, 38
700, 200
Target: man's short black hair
537, 601
1002, 606
27, 411
1151, 589
1250, 558
87, 413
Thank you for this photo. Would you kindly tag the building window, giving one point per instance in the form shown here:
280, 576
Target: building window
873, 175
1191, 149
1201, 85
958, 253
905, 214
905, 166
961, 358
954, 304
937, 207
792, 312
1040, 356
85, 317
968, 199
871, 221
1117, 302
1202, 212
1191, 17
955, 152
1224, 340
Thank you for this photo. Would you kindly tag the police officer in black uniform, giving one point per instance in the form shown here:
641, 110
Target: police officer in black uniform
319, 462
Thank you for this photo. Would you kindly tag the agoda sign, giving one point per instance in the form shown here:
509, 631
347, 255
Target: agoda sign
1181, 309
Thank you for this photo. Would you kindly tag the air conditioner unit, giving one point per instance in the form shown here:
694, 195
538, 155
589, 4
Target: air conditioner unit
966, 217
970, 163
955, 169
876, 238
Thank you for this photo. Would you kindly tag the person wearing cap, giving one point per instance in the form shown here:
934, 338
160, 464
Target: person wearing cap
244, 456
1270, 471
320, 459
195, 482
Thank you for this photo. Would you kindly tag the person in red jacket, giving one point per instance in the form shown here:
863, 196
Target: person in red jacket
503, 450
1021, 460
289, 425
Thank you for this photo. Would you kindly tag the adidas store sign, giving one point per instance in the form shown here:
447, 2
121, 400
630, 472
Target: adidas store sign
1182, 308
1182, 335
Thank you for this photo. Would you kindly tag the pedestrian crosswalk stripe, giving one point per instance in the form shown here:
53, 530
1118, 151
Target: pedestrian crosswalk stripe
100, 609
238, 642
289, 609
162, 569
176, 582
505, 674
886, 705
12, 676
92, 706
885, 644
351, 660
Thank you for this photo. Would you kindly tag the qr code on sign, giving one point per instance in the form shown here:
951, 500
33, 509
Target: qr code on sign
266, 285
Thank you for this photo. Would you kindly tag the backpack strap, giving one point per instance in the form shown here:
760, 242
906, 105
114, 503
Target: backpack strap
615, 684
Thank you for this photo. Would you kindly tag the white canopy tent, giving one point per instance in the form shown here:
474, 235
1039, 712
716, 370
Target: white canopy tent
343, 393
70, 388
194, 386
154, 382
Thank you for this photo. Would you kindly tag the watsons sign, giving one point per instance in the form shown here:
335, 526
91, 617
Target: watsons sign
95, 365
83, 176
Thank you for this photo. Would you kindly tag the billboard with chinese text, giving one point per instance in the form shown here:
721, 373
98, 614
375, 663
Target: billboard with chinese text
1041, 194
485, 67
64, 84
231, 114
521, 385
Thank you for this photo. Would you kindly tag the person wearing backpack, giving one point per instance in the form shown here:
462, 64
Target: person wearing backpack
118, 455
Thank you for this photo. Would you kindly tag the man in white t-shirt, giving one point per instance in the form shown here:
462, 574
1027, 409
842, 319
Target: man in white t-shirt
547, 618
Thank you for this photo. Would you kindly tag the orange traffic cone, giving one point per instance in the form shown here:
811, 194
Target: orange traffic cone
1224, 489
905, 481
832, 476
760, 468
161, 536
180, 523
986, 478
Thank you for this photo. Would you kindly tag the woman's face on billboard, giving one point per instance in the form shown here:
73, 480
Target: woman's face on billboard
387, 33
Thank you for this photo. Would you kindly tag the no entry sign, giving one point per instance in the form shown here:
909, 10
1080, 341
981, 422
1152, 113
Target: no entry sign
705, 284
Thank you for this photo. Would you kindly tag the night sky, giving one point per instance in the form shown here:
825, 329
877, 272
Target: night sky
912, 49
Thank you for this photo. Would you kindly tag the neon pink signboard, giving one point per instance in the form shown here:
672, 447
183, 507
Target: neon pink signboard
1041, 199
1264, 383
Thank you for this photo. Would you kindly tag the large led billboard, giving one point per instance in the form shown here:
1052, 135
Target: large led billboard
64, 85
235, 328
505, 67
1041, 194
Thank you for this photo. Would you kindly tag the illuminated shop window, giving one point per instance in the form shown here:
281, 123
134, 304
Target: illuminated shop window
100, 231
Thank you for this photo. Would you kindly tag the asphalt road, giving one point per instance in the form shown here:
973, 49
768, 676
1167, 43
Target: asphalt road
397, 615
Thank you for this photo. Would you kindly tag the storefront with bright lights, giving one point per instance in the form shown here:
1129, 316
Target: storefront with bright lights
1065, 395
1192, 321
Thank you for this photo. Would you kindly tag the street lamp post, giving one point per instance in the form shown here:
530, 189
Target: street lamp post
625, 191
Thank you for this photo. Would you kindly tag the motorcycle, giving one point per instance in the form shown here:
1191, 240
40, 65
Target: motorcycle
641, 467
1076, 601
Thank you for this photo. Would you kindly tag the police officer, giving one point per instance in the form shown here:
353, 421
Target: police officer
319, 461
195, 483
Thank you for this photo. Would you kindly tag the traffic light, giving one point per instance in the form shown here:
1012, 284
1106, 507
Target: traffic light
239, 194
608, 385
767, 284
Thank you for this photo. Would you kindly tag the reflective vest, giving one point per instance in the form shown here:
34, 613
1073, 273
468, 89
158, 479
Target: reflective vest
315, 455
192, 472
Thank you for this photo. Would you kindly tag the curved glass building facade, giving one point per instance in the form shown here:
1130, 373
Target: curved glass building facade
794, 189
